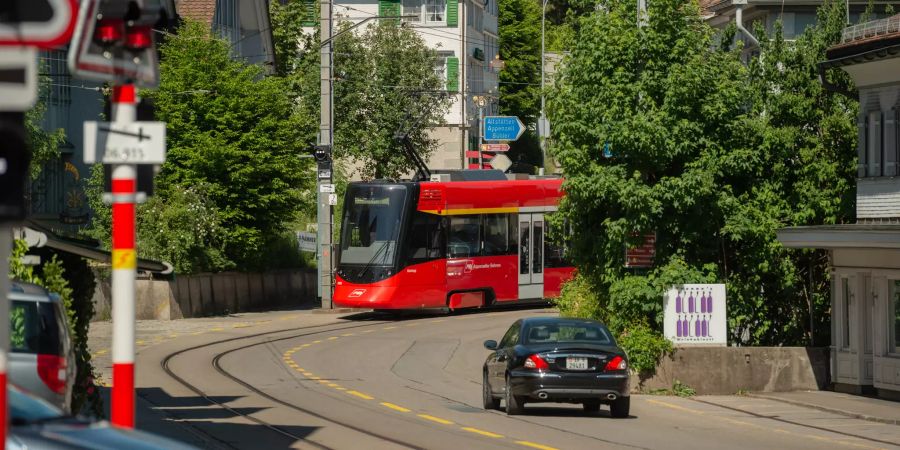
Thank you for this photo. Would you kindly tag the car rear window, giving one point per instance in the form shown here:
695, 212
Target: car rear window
33, 328
587, 333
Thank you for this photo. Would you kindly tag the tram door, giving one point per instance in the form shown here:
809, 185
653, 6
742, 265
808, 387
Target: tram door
531, 256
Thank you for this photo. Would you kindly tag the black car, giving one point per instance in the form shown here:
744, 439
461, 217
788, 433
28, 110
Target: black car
550, 359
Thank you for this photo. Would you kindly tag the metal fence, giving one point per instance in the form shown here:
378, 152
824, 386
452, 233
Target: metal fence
871, 29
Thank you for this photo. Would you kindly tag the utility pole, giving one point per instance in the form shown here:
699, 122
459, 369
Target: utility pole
326, 143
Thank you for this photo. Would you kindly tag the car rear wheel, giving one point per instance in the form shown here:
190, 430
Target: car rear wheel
591, 406
489, 401
620, 408
515, 404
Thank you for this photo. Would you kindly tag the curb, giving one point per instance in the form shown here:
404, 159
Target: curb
827, 409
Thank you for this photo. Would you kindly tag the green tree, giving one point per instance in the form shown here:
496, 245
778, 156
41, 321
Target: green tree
44, 144
519, 26
234, 131
711, 155
384, 84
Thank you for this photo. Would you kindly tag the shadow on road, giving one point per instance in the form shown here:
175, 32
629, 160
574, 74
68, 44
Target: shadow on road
403, 315
186, 418
573, 411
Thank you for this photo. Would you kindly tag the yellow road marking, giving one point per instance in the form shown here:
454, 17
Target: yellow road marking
332, 338
680, 408
341, 388
482, 432
173, 336
305, 345
369, 331
347, 335
435, 419
241, 325
388, 328
316, 342
533, 445
361, 395
307, 374
334, 385
411, 324
101, 352
395, 407
216, 329
437, 321
324, 381
140, 342
315, 378
197, 333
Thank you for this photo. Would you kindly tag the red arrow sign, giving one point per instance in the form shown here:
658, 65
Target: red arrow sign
495, 147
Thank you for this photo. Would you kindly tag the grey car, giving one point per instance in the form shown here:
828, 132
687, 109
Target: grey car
42, 360
38, 425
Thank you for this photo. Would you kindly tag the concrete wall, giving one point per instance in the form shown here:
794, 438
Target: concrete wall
214, 294
727, 370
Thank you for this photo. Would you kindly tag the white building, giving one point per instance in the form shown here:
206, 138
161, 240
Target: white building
865, 256
464, 35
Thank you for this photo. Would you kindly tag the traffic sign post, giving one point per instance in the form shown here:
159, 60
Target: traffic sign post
114, 42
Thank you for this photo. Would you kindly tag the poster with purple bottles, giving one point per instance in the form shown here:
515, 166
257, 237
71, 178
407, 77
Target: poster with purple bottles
695, 315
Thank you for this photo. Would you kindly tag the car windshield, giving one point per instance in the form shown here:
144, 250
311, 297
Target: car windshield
26, 408
372, 224
573, 332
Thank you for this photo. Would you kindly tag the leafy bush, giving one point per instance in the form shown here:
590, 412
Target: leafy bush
579, 299
682, 390
644, 347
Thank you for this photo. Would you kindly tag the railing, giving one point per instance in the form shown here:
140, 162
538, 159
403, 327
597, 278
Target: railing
871, 29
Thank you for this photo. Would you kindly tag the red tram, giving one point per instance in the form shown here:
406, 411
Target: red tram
451, 244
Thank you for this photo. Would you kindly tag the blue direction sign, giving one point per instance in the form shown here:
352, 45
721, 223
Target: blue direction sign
502, 128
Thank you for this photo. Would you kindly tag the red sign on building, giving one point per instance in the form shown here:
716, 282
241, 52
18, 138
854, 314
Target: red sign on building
642, 255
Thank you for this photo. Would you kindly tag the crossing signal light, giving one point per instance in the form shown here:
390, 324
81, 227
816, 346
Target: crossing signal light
114, 40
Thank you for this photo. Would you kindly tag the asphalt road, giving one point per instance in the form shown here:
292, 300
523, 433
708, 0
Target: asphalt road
363, 382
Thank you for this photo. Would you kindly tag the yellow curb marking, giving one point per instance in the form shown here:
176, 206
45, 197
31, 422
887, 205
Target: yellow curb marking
435, 419
533, 445
482, 432
395, 407
361, 395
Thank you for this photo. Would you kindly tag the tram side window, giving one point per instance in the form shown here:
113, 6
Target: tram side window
464, 236
497, 239
426, 238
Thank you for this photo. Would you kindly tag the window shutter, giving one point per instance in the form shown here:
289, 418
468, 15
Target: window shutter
862, 126
890, 143
452, 13
453, 74
309, 14
388, 7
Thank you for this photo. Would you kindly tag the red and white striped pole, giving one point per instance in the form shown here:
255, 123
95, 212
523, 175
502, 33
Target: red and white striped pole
124, 265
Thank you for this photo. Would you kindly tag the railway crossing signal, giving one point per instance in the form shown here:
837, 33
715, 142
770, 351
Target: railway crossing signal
39, 23
114, 42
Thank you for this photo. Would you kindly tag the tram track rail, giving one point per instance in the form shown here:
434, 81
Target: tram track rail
311, 330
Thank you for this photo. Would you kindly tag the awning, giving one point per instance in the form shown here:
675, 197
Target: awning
841, 236
38, 236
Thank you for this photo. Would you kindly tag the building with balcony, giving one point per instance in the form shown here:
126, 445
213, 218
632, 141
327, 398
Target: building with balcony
865, 256
464, 35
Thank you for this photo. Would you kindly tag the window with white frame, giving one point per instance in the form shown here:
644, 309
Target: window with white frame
440, 65
846, 298
425, 11
894, 286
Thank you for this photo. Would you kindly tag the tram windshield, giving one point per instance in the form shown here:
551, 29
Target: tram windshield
371, 225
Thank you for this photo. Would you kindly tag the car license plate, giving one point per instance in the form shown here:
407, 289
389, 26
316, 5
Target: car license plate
576, 363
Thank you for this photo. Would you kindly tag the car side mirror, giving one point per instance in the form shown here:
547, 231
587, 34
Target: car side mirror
490, 344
